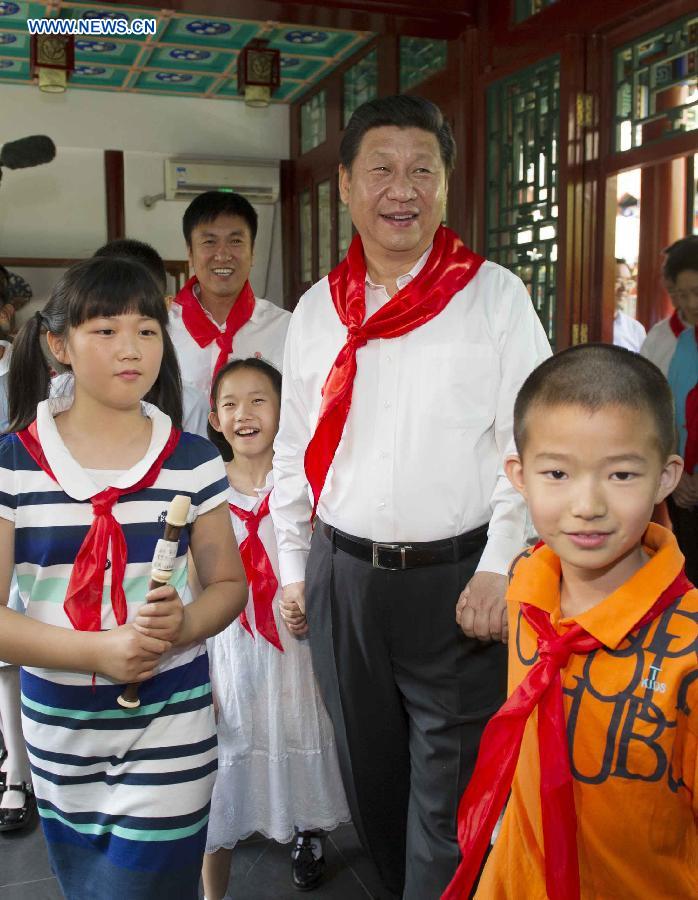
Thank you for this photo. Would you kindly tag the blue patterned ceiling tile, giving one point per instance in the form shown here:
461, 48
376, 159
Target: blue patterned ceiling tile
15, 70
181, 82
188, 59
14, 44
104, 14
306, 37
203, 33
113, 53
90, 46
8, 8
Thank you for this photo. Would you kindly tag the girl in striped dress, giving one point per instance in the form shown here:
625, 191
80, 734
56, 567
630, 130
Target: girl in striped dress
278, 772
85, 482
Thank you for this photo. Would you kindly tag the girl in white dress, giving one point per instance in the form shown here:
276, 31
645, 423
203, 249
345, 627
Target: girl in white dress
277, 769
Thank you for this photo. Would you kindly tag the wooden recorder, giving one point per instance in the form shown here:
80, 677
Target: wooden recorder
161, 571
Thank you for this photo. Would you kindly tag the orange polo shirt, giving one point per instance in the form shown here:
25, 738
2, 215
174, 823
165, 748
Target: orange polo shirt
632, 724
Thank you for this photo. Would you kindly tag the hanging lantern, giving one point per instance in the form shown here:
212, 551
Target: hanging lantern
258, 72
52, 57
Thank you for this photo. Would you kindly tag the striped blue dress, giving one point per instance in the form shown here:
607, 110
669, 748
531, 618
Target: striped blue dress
123, 795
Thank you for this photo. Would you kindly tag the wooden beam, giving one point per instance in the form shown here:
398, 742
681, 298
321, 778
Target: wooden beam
407, 17
114, 183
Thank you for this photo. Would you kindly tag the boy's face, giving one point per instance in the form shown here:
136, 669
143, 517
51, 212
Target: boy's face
591, 480
684, 295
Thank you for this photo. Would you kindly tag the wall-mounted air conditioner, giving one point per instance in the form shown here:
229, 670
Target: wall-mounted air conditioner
257, 181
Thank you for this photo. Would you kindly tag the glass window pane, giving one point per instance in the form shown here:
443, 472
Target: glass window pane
306, 236
344, 229
360, 84
656, 85
313, 122
523, 126
524, 9
324, 229
420, 58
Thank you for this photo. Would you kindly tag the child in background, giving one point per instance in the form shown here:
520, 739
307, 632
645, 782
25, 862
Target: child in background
17, 804
278, 772
603, 673
85, 482
673, 346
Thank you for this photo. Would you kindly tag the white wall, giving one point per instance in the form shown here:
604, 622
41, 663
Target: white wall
59, 209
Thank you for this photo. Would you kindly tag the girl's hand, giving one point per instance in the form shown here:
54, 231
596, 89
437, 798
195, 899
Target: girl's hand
127, 655
294, 617
162, 616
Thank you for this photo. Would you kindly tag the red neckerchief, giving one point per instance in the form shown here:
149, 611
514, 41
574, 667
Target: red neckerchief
448, 269
260, 575
676, 324
204, 330
486, 794
83, 599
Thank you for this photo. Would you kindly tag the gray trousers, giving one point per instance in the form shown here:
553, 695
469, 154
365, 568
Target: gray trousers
409, 696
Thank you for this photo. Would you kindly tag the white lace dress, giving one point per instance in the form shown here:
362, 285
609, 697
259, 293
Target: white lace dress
277, 762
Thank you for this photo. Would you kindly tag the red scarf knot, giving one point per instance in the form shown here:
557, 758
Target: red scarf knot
260, 574
83, 599
449, 268
486, 794
204, 330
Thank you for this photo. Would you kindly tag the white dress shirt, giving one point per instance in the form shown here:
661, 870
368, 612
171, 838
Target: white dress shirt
263, 336
660, 345
430, 421
628, 332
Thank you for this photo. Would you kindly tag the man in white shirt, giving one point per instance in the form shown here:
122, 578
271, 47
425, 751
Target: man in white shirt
215, 316
627, 332
402, 443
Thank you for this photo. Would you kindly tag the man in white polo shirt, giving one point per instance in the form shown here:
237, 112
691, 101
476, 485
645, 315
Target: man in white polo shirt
400, 374
216, 317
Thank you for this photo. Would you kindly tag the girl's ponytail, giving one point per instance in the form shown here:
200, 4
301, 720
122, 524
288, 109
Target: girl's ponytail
30, 377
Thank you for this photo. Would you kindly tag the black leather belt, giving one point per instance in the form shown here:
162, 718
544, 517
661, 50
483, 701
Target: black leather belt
407, 556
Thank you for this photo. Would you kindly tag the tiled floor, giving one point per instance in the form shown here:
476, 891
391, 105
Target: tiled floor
261, 870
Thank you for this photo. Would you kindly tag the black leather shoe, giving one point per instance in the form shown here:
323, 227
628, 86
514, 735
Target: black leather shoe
306, 870
13, 819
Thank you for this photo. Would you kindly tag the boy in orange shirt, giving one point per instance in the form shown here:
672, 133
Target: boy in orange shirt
598, 739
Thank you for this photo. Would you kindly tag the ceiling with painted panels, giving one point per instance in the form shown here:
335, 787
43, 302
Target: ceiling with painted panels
190, 56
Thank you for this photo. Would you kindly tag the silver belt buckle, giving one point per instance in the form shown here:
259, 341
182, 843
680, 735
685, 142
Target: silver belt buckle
377, 545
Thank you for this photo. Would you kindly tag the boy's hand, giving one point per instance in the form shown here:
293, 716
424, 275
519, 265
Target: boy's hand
162, 616
127, 655
293, 616
481, 610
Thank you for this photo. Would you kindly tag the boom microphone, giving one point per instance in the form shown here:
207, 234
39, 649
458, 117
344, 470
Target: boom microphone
26, 152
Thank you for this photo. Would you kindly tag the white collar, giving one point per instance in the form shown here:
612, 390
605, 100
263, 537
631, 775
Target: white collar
69, 473
402, 280
247, 501
6, 357
196, 291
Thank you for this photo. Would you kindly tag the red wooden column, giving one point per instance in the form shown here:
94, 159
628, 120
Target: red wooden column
114, 184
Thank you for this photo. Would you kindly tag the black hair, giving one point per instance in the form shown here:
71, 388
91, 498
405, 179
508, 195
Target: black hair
595, 376
681, 256
258, 365
208, 206
101, 286
5, 286
144, 253
402, 111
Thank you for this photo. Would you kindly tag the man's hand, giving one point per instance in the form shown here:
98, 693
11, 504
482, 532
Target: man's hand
481, 610
686, 492
292, 608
